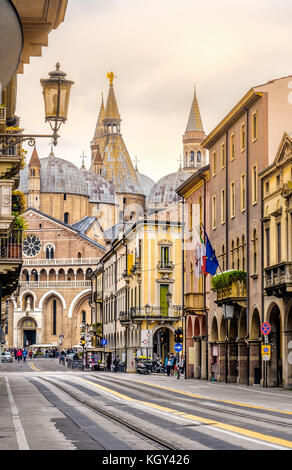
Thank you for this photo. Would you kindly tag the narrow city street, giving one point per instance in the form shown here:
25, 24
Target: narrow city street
106, 411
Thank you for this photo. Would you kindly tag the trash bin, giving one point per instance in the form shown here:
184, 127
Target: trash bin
121, 368
257, 375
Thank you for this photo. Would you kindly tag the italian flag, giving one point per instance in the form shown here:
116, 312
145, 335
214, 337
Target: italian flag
203, 254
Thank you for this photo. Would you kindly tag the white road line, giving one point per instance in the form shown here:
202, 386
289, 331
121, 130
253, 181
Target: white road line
20, 435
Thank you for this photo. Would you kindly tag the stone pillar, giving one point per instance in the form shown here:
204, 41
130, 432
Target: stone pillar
210, 360
242, 362
232, 362
203, 357
222, 359
197, 358
254, 360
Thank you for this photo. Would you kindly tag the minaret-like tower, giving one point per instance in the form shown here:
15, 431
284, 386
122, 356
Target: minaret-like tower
34, 181
194, 153
99, 132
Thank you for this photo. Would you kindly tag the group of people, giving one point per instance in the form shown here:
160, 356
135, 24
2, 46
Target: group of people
21, 354
172, 365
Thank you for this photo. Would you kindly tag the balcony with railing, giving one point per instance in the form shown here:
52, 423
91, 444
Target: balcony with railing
165, 266
10, 148
55, 284
194, 302
152, 313
278, 279
10, 262
61, 262
136, 268
230, 287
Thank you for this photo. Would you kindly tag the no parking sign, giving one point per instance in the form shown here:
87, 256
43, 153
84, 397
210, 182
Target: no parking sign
266, 328
266, 352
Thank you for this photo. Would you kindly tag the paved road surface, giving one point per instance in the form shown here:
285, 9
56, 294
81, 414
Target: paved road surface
45, 406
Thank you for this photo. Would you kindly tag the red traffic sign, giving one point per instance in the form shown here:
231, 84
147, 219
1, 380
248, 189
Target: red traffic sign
265, 328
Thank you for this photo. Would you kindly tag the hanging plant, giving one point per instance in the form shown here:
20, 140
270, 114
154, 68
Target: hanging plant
18, 202
225, 279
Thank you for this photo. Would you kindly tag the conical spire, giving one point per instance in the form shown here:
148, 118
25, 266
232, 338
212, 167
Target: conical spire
111, 110
195, 121
99, 125
34, 159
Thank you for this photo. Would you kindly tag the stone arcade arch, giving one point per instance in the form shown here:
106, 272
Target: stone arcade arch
214, 350
275, 363
26, 332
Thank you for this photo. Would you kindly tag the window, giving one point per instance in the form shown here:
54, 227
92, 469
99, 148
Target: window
243, 252
267, 187
50, 252
254, 184
268, 246
279, 248
190, 216
242, 192
192, 156
65, 197
83, 316
54, 317
223, 257
32, 172
223, 155
232, 146
232, 199
254, 127
278, 180
66, 218
214, 211
255, 251
214, 163
222, 206
242, 137
199, 156
238, 253
232, 255
165, 256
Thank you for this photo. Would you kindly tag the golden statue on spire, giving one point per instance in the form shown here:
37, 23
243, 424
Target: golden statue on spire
111, 76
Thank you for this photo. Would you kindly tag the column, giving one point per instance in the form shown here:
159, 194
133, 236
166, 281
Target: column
232, 362
222, 358
197, 358
287, 360
255, 362
242, 362
203, 357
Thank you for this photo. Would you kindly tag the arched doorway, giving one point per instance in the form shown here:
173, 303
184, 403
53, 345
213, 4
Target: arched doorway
28, 328
275, 363
214, 350
161, 343
255, 365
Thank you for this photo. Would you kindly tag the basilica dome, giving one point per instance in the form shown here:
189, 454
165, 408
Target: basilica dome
163, 192
100, 190
146, 183
57, 176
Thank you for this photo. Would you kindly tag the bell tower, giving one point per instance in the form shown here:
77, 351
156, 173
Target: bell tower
34, 181
194, 153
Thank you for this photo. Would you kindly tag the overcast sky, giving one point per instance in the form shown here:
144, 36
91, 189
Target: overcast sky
158, 49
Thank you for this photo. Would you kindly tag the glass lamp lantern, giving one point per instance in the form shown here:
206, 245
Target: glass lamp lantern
56, 92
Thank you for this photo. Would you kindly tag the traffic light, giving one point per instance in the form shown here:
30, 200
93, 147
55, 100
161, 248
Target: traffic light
178, 335
162, 338
82, 340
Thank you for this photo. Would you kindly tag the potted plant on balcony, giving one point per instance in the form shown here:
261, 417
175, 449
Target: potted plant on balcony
20, 225
225, 279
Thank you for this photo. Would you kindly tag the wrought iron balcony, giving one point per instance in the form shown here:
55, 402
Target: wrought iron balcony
136, 268
10, 262
165, 266
138, 314
278, 279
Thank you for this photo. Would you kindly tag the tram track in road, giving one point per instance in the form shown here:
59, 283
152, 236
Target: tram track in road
255, 417
163, 445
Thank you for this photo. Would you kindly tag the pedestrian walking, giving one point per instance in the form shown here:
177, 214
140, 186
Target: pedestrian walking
24, 354
173, 362
19, 355
116, 364
168, 365
62, 357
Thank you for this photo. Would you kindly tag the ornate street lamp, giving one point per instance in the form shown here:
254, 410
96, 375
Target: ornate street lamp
56, 92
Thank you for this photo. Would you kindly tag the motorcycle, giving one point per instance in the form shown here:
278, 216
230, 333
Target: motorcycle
144, 367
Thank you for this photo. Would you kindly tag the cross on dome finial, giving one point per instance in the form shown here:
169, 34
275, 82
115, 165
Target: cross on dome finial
180, 161
136, 161
83, 156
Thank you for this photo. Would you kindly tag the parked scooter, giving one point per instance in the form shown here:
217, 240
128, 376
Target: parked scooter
144, 367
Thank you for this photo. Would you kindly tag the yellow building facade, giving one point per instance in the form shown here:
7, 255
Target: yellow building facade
277, 262
137, 288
